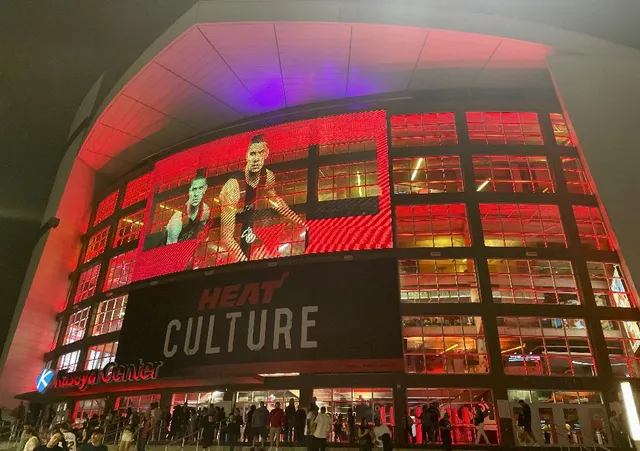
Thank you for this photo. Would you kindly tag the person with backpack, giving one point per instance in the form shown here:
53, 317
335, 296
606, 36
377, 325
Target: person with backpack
478, 421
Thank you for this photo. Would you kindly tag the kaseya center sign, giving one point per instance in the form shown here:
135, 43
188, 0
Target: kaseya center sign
111, 373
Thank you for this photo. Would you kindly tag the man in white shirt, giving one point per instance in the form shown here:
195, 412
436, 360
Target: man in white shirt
69, 436
310, 427
378, 431
323, 429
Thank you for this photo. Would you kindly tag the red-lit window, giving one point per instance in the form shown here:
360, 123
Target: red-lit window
438, 281
291, 186
119, 271
456, 402
504, 128
560, 130
77, 326
576, 176
444, 344
441, 225
106, 208
137, 190
360, 145
593, 232
348, 181
533, 282
129, 228
69, 361
512, 174
545, 346
165, 210
87, 283
110, 315
220, 169
211, 251
181, 175
97, 244
521, 225
99, 355
85, 409
431, 129
623, 343
424, 175
287, 155
610, 287
140, 403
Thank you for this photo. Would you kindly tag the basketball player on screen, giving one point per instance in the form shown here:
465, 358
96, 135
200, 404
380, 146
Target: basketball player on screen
188, 223
238, 205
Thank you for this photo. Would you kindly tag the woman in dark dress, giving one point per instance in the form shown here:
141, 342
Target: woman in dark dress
365, 440
208, 432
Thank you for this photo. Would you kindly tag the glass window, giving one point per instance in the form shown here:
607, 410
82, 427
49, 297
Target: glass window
87, 283
119, 271
555, 396
99, 355
110, 315
545, 346
609, 285
438, 225
430, 129
444, 344
522, 225
77, 326
504, 128
560, 130
461, 405
62, 412
533, 282
97, 244
165, 210
575, 176
348, 181
85, 409
425, 175
137, 190
287, 155
197, 400
69, 361
360, 145
291, 186
512, 174
106, 208
623, 342
177, 175
129, 228
592, 230
438, 281
244, 399
138, 404
361, 402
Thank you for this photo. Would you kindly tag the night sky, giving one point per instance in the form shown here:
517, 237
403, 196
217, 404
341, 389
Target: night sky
51, 53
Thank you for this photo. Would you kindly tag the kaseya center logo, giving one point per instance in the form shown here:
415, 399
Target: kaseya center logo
110, 373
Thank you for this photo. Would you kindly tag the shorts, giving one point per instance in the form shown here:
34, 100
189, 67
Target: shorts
261, 431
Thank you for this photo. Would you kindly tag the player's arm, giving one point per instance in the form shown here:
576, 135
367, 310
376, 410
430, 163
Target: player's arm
277, 203
229, 198
174, 227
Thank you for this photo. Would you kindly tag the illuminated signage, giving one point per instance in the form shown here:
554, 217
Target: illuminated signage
44, 379
111, 373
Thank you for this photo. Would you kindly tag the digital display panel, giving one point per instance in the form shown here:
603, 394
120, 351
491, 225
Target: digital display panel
314, 186
286, 318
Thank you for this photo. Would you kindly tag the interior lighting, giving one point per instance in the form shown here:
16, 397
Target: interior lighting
485, 183
360, 184
513, 349
415, 171
451, 348
630, 409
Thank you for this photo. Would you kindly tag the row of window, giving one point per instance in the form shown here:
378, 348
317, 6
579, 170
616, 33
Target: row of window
503, 225
492, 173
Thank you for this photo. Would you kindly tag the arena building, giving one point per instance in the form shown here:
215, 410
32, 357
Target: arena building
375, 206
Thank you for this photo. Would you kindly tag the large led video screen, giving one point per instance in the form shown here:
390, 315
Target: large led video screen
306, 187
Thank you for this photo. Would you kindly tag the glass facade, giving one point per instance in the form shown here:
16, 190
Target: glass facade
491, 209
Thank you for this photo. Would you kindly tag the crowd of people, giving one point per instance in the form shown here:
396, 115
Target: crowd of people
60, 437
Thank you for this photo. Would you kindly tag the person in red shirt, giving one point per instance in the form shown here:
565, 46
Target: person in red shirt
276, 423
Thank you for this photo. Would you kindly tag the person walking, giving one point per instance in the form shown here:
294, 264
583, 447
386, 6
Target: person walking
290, 420
524, 421
259, 423
445, 432
208, 432
276, 423
233, 429
322, 429
478, 421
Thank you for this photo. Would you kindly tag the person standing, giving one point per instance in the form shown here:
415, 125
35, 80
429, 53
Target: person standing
310, 427
208, 432
68, 435
233, 429
382, 435
478, 421
301, 418
322, 429
290, 420
248, 430
276, 423
259, 423
95, 442
445, 432
351, 426
365, 436
524, 421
